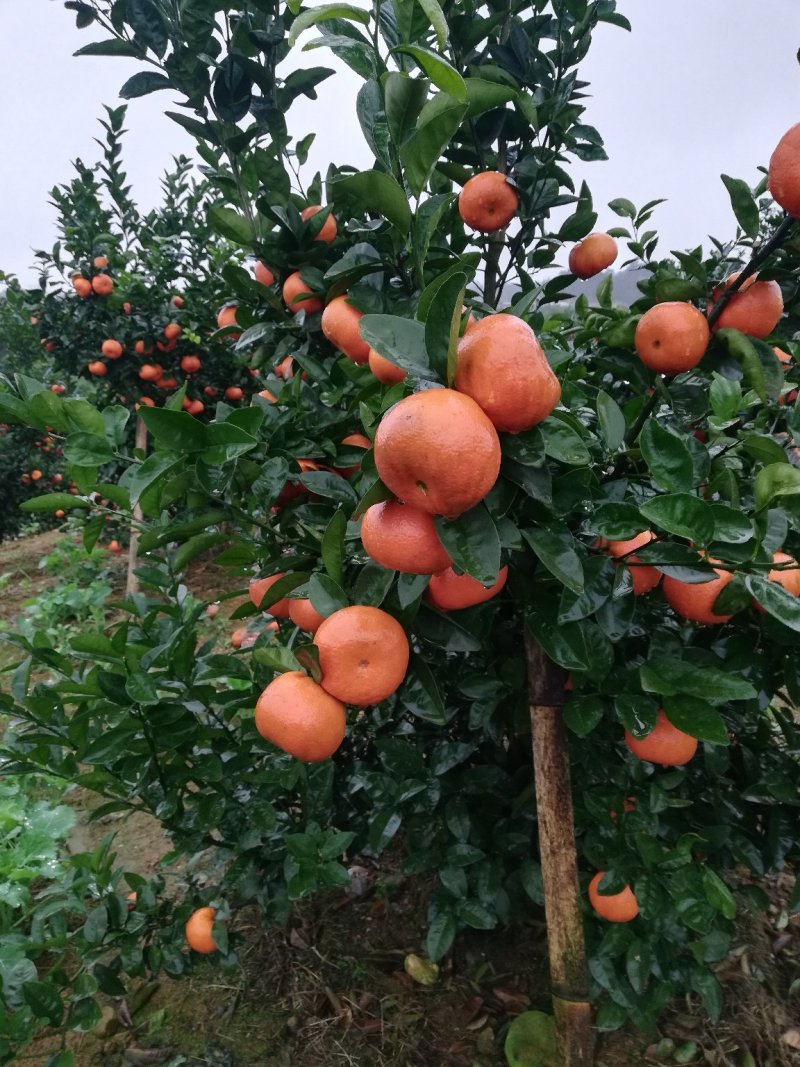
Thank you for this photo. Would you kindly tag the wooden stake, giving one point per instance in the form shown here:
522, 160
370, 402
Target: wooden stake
565, 942
132, 583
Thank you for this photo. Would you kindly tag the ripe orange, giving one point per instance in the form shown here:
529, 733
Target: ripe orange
340, 325
227, 317
151, 372
354, 440
196, 407
209, 390
403, 538
293, 287
111, 349
615, 907
784, 358
172, 331
263, 274
60, 513
268, 396
238, 636
35, 475
487, 202
665, 744
363, 655
644, 578
146, 401
695, 602
126, 308
503, 368
258, 589
305, 615
449, 591
102, 285
383, 369
98, 368
789, 577
328, 231
81, 285
114, 546
672, 337
166, 383
438, 451
199, 931
284, 369
784, 172
178, 301
593, 254
299, 716
190, 364
755, 309
99, 262
57, 388
140, 349
234, 392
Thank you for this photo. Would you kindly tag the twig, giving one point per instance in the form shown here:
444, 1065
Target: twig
778, 238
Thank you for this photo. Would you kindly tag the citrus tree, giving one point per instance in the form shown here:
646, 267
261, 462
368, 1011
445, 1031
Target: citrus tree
475, 514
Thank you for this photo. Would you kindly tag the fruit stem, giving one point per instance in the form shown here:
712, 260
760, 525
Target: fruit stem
132, 583
566, 948
778, 238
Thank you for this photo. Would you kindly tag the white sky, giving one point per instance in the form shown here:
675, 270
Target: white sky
699, 88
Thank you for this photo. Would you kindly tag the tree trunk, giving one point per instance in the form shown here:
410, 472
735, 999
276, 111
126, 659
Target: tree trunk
132, 584
568, 973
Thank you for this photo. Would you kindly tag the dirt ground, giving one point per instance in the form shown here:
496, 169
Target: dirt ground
332, 990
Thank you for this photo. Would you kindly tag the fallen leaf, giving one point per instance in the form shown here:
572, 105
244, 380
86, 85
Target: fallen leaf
424, 972
471, 1008
513, 1000
792, 1038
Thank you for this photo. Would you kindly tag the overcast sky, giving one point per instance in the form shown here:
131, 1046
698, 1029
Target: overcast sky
700, 88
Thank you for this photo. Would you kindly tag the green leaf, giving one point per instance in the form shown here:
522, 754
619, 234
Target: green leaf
775, 600
96, 925
322, 13
744, 206
697, 719
623, 207
683, 515
761, 369
331, 486
115, 46
382, 829
196, 546
563, 443
326, 595
176, 430
44, 1001
531, 1041
277, 658
672, 677
377, 193
332, 548
229, 223
718, 894
731, 525
638, 961
374, 495
617, 522
611, 420
442, 326
473, 543
441, 73
147, 22
410, 588
225, 442
146, 81
583, 713
555, 549
419, 693
778, 479
400, 340
427, 221
667, 457
440, 936
438, 22
372, 584
147, 474
437, 123
404, 98
704, 983
87, 450
53, 501
483, 96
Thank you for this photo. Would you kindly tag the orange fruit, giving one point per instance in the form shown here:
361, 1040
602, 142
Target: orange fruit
789, 578
672, 337
328, 231
227, 317
488, 202
102, 285
665, 744
196, 407
166, 383
99, 262
403, 538
190, 364
593, 254
354, 440
755, 309
259, 587
234, 392
126, 308
60, 513
628, 805
178, 301
300, 717
284, 368
81, 285
268, 396
238, 636
363, 655
615, 907
98, 368
114, 546
293, 287
151, 372
383, 369
111, 349
210, 391
784, 358
148, 403
784, 172
36, 475
438, 451
340, 325
503, 368
449, 591
305, 615
644, 578
140, 350
695, 602
212, 610
263, 274
172, 331
199, 931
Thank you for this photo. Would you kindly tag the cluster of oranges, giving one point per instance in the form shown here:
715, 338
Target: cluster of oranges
100, 284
